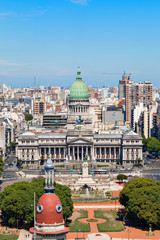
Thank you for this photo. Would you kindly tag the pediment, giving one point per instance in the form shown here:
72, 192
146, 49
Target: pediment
79, 141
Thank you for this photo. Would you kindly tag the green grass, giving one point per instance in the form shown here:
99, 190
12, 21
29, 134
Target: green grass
102, 165
80, 227
8, 237
59, 166
112, 225
108, 195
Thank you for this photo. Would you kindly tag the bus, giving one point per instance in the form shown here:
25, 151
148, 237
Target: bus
100, 171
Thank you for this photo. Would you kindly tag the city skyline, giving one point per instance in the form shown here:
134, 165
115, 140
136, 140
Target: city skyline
50, 39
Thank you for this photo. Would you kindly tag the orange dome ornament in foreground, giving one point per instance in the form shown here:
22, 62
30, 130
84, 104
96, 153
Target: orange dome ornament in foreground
49, 213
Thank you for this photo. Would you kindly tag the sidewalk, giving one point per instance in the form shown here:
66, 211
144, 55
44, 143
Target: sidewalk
22, 235
99, 207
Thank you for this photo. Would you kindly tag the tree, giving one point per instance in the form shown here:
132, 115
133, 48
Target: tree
153, 145
144, 141
138, 161
158, 134
16, 201
19, 163
141, 198
118, 161
1, 166
64, 193
28, 117
13, 145
121, 177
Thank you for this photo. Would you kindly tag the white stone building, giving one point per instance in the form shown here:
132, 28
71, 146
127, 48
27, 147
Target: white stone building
79, 139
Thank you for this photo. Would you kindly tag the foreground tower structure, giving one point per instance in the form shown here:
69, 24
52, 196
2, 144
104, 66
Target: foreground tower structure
49, 213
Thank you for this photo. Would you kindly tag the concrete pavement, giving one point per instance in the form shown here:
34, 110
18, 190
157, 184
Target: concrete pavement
24, 235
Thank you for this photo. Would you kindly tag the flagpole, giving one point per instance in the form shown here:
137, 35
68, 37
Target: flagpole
34, 235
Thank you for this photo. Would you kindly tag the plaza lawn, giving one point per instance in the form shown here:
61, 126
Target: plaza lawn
111, 224
8, 237
76, 226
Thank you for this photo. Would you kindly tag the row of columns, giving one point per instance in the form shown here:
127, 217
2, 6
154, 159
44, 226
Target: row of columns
28, 154
53, 152
77, 153
107, 154
79, 109
128, 154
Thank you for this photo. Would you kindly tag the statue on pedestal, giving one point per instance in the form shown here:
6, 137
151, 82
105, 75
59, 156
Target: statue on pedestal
85, 166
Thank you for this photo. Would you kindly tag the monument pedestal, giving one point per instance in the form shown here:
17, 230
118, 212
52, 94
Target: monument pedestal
86, 179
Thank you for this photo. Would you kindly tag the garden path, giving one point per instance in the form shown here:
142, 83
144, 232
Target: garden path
93, 225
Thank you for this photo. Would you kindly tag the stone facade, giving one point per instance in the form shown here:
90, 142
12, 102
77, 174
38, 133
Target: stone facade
70, 149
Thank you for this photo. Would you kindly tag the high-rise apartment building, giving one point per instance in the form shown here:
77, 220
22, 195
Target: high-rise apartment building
39, 106
122, 85
137, 93
142, 126
156, 122
134, 93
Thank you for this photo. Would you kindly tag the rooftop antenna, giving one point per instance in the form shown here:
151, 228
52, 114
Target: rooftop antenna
34, 81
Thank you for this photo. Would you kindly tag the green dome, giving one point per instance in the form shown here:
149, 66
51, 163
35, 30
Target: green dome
79, 90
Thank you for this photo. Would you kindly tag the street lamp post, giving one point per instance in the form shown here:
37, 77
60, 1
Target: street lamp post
128, 232
34, 235
77, 233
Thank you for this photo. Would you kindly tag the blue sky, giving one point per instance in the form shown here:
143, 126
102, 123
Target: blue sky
50, 38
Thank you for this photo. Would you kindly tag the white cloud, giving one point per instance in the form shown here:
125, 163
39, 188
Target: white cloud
4, 14
7, 63
80, 2
9, 72
35, 12
31, 13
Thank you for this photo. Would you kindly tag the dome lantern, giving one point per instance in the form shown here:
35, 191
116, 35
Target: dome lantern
79, 73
